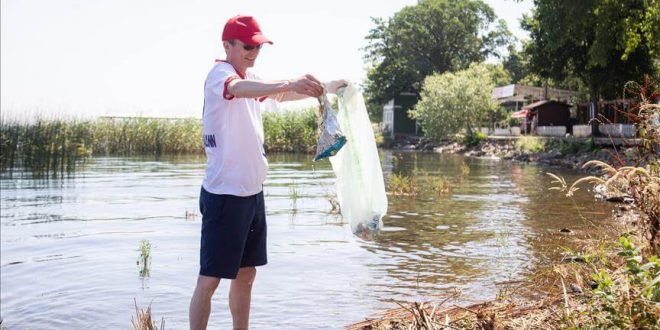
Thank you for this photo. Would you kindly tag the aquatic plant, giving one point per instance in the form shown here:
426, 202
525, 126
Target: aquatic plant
402, 185
440, 185
293, 192
55, 147
144, 260
465, 170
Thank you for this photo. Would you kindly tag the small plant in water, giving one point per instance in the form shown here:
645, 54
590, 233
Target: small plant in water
465, 170
402, 185
293, 192
144, 260
440, 185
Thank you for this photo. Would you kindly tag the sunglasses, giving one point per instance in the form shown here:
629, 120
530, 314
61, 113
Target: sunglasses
251, 47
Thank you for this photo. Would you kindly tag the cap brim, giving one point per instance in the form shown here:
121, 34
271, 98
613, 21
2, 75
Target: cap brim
256, 39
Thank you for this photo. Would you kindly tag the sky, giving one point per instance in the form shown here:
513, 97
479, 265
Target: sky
85, 58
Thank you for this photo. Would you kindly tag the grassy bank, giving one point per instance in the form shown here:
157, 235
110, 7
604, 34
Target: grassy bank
58, 146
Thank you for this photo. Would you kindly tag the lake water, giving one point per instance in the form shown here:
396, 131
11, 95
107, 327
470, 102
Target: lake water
69, 247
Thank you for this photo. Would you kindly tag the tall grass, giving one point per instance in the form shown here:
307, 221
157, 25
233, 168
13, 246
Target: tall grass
291, 131
54, 147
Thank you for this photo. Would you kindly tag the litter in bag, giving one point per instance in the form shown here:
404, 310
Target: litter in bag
360, 185
331, 138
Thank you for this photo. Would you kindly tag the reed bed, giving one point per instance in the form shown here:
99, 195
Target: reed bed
55, 147
291, 131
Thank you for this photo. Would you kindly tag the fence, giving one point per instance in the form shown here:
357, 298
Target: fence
511, 131
551, 130
582, 130
617, 130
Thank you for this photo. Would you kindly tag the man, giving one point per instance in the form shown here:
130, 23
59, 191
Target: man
233, 240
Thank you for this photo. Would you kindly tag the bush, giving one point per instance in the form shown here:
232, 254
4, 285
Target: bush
626, 297
530, 144
566, 146
454, 101
475, 139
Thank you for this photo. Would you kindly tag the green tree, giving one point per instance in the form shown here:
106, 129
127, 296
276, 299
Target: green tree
454, 101
603, 43
515, 64
434, 36
499, 76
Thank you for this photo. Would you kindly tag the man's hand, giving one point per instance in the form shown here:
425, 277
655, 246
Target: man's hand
333, 86
307, 85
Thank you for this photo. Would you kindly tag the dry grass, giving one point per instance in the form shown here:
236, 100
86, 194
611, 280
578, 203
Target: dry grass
143, 320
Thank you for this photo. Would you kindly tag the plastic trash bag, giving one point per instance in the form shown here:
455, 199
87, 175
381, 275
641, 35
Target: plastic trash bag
331, 138
360, 184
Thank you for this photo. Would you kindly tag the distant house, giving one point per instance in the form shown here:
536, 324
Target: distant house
514, 97
396, 121
546, 118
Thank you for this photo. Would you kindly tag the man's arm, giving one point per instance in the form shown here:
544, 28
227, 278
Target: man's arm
306, 85
330, 87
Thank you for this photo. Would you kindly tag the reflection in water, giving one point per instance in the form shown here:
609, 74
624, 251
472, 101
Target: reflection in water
74, 241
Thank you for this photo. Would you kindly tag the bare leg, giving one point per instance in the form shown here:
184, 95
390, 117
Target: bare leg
240, 294
200, 304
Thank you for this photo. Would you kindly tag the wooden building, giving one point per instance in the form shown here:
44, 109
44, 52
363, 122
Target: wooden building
546, 113
396, 121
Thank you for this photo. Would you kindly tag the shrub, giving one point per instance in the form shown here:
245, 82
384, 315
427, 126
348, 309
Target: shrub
475, 139
530, 144
454, 101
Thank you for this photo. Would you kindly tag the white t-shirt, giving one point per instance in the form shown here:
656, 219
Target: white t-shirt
233, 137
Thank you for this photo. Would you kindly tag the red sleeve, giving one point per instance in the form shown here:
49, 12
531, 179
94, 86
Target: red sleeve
263, 98
225, 93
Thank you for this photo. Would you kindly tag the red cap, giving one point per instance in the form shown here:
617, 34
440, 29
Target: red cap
244, 28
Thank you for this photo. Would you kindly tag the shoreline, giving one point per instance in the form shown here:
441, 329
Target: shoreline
562, 152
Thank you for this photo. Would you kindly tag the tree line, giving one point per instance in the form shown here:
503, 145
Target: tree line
591, 46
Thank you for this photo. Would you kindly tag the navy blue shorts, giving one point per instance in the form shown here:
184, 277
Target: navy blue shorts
233, 233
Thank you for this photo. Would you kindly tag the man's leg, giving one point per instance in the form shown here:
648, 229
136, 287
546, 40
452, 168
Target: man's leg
240, 294
200, 304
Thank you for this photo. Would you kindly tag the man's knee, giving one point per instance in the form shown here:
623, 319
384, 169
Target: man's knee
246, 275
207, 284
